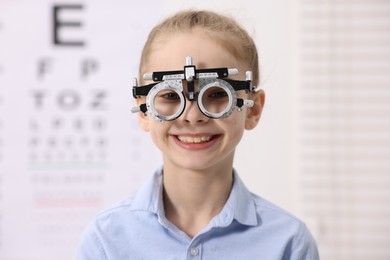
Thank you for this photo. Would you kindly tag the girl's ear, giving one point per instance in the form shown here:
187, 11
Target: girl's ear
254, 113
143, 119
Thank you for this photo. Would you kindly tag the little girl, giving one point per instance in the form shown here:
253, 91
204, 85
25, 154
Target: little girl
196, 96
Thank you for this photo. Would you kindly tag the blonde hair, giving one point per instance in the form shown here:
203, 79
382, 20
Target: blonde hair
225, 30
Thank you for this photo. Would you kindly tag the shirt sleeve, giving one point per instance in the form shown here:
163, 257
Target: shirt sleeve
90, 248
303, 246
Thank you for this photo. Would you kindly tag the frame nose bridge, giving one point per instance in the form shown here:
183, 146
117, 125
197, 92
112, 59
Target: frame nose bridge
191, 89
192, 111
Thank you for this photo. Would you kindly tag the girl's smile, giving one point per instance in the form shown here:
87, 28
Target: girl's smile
196, 142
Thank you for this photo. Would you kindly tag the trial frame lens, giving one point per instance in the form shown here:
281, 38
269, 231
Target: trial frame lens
216, 98
162, 92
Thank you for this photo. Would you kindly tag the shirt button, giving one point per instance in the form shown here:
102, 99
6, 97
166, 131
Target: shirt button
194, 251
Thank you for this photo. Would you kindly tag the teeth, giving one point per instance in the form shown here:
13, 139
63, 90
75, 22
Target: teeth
195, 140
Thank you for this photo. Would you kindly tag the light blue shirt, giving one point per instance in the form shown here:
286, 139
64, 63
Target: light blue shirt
248, 227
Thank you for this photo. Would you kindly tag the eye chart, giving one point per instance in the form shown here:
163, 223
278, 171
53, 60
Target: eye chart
69, 145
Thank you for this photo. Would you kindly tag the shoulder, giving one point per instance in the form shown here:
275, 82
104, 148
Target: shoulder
118, 212
277, 223
146, 201
274, 217
110, 228
121, 219
122, 205
267, 209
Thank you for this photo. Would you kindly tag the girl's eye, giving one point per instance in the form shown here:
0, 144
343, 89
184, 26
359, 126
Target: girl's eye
171, 96
218, 94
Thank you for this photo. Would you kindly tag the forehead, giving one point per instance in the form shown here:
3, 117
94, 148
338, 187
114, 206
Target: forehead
169, 52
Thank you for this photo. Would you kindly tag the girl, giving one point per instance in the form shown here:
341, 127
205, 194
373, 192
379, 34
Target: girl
196, 99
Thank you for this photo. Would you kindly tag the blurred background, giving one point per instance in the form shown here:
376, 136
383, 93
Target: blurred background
69, 146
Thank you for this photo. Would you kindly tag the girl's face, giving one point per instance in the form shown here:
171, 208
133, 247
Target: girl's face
193, 141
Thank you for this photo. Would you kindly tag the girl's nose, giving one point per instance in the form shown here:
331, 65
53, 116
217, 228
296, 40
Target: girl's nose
192, 114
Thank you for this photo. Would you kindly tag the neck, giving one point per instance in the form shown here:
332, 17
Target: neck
193, 198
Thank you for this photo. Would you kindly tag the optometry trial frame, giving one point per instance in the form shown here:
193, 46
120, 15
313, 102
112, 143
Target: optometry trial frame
166, 100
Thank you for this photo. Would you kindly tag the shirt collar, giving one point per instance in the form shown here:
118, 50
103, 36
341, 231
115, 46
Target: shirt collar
239, 206
149, 197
